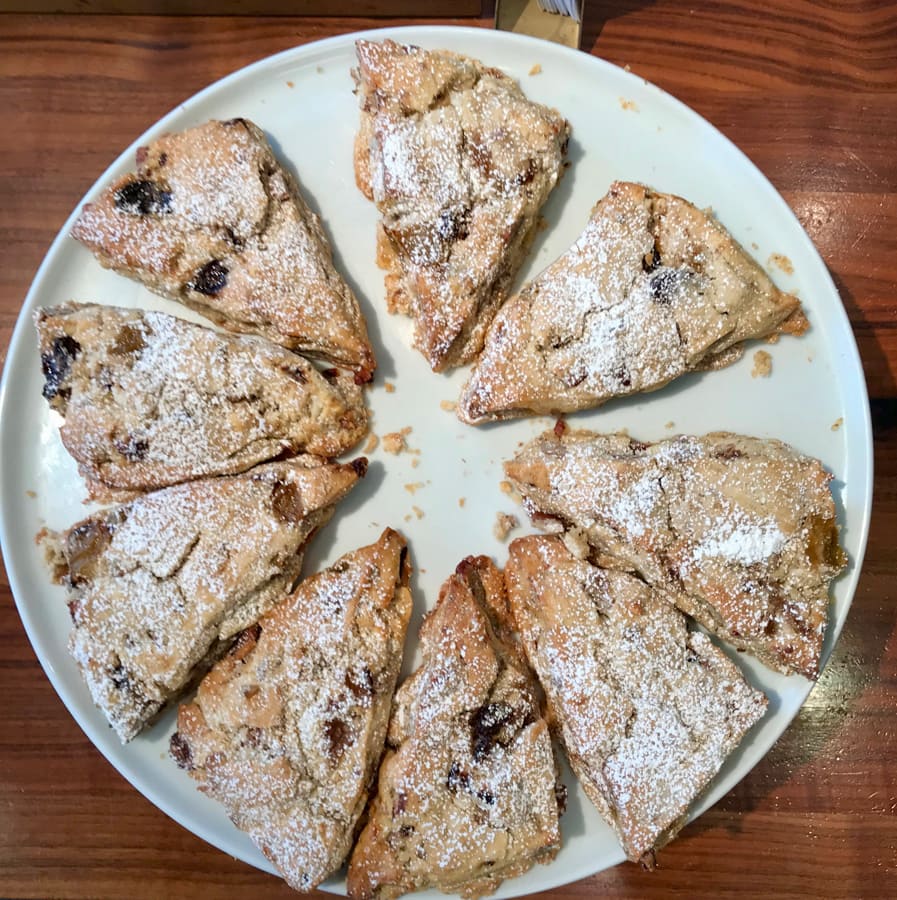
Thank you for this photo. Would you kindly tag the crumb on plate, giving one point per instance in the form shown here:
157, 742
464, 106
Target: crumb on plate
504, 523
762, 364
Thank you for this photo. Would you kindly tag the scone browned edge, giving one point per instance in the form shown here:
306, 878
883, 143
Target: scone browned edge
468, 789
647, 711
287, 730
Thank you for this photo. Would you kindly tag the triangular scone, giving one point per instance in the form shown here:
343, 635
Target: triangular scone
739, 532
653, 288
150, 400
211, 219
159, 585
459, 163
647, 711
287, 730
467, 791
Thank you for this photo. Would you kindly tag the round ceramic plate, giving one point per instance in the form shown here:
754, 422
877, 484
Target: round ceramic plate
445, 494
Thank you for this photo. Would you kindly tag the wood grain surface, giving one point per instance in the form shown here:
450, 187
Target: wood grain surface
809, 91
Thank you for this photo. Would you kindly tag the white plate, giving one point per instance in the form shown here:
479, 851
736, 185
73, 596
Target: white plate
623, 128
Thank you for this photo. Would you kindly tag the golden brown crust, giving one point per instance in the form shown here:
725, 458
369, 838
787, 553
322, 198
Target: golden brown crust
459, 163
212, 220
150, 400
158, 586
653, 288
287, 730
740, 532
647, 711
466, 794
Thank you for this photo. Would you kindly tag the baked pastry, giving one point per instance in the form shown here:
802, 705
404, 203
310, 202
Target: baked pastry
652, 289
467, 791
159, 586
287, 730
211, 219
459, 163
150, 400
739, 532
647, 711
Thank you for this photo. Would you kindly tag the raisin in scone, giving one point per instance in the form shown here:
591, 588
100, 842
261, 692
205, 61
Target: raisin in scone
647, 711
211, 219
158, 586
459, 163
653, 288
467, 790
739, 532
150, 400
287, 730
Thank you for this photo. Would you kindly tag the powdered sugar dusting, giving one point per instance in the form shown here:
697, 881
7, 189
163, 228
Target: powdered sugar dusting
466, 795
158, 583
227, 203
647, 711
740, 532
156, 400
651, 289
742, 541
461, 162
287, 733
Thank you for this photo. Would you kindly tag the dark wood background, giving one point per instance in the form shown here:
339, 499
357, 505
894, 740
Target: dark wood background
809, 91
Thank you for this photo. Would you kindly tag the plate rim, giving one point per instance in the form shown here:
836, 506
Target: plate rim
862, 429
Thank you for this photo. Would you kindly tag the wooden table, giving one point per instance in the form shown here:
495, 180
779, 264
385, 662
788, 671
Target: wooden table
809, 91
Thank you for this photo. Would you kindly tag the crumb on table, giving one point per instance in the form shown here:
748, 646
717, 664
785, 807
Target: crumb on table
448, 405
762, 364
628, 104
290, 84
536, 69
372, 443
414, 486
504, 523
670, 424
31, 494
390, 387
462, 501
418, 512
837, 423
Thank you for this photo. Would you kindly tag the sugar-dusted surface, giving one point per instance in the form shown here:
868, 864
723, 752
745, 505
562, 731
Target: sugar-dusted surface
151, 400
159, 585
459, 164
647, 711
466, 794
740, 532
286, 731
213, 220
652, 288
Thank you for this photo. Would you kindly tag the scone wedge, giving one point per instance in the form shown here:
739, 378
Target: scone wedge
739, 532
647, 711
653, 288
212, 219
287, 730
159, 586
467, 791
150, 400
459, 162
